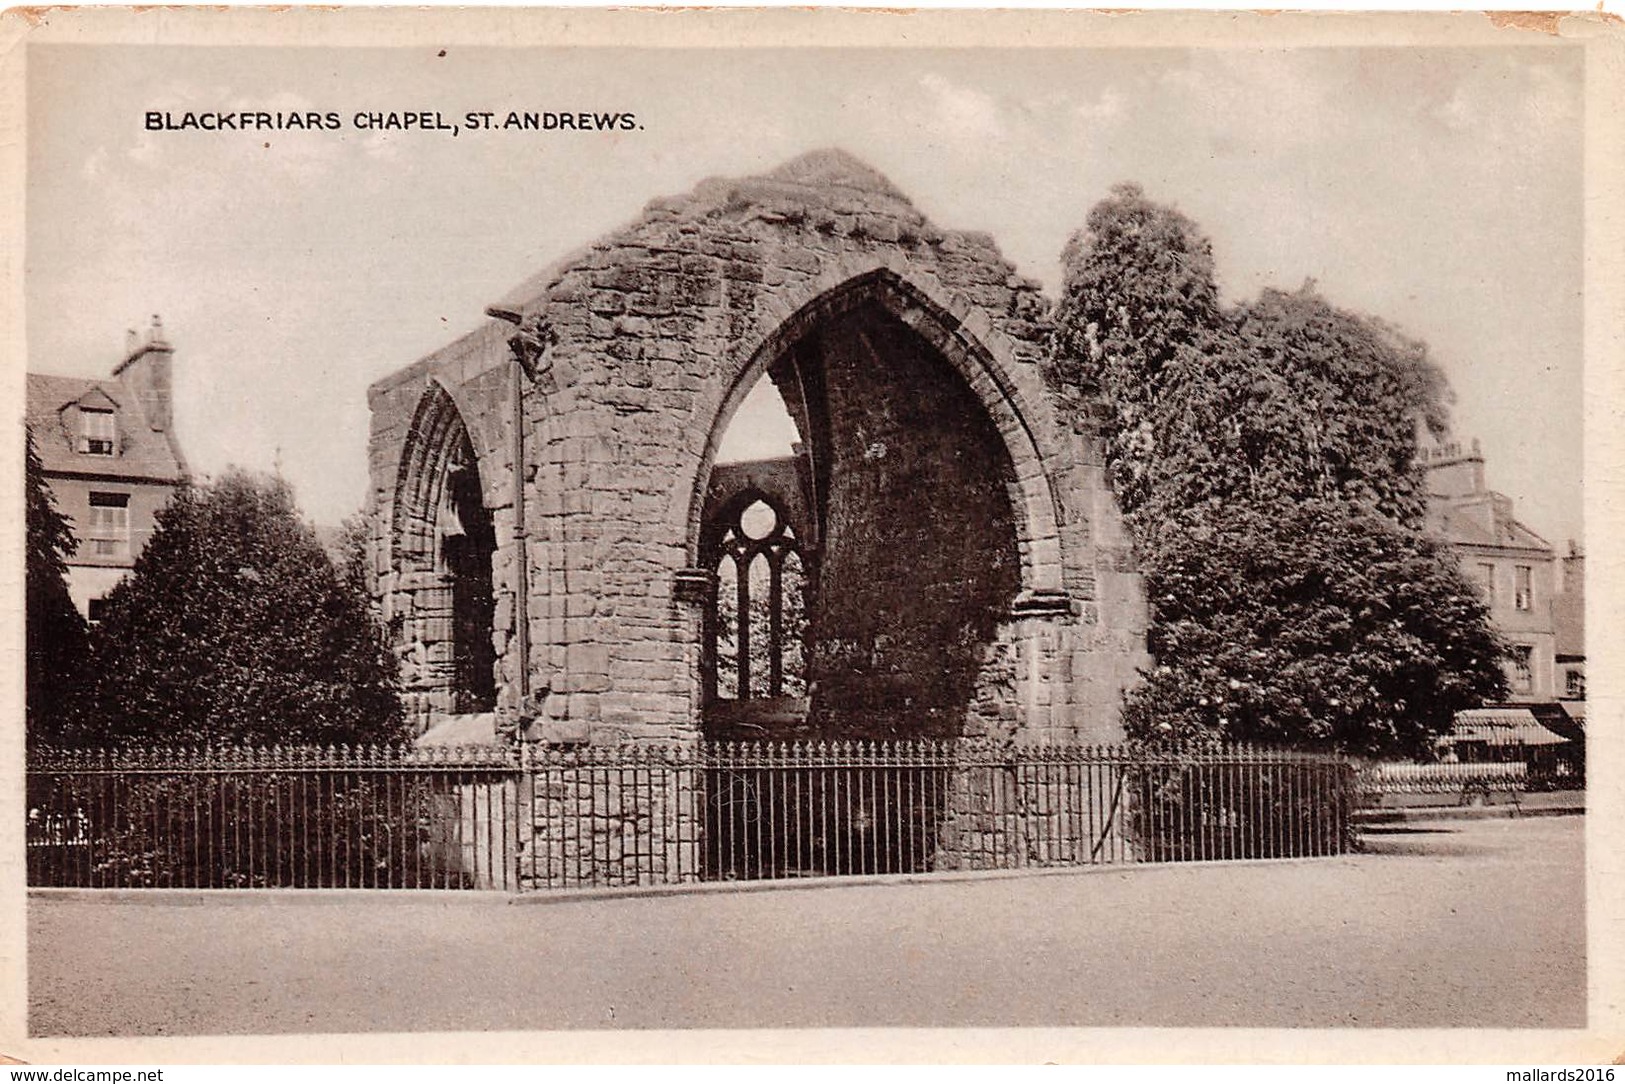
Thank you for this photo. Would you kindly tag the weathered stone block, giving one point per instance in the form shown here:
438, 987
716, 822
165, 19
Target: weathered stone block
931, 392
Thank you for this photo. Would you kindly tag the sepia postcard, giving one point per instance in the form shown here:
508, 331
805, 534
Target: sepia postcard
581, 535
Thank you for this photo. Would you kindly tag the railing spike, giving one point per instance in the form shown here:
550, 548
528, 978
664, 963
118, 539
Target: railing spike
671, 812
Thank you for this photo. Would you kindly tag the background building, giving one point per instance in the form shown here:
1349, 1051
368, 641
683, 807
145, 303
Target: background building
1514, 567
1569, 628
110, 457
1537, 603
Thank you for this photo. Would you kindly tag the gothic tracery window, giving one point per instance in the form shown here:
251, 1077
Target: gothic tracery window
760, 617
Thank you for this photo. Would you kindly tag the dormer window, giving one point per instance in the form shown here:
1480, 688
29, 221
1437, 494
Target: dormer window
96, 431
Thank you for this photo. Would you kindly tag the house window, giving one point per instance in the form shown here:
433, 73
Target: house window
97, 610
1575, 685
1523, 674
1486, 580
96, 431
1523, 595
109, 533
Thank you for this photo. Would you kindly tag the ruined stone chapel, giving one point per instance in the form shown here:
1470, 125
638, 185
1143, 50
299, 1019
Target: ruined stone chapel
557, 549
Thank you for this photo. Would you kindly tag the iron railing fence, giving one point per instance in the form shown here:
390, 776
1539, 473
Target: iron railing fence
299, 817
1514, 771
1388, 784
913, 807
646, 814
1403, 777
1240, 803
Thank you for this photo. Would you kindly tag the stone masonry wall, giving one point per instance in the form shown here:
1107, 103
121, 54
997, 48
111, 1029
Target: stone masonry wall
920, 558
652, 336
414, 599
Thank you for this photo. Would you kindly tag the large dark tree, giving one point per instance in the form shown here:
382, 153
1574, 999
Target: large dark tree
1139, 311
55, 631
1265, 457
351, 557
235, 626
1315, 624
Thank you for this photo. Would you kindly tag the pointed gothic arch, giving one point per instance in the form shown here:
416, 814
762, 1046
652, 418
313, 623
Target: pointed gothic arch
1040, 513
442, 541
925, 492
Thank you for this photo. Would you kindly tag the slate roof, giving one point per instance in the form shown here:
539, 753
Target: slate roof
143, 453
1459, 526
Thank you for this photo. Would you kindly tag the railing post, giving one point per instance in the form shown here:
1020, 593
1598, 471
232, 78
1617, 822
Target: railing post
526, 817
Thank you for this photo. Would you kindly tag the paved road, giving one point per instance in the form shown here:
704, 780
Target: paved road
1465, 924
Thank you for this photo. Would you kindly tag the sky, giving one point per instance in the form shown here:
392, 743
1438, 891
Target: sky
1440, 189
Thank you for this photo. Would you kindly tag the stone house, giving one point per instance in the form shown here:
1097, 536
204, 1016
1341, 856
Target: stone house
1537, 603
941, 556
111, 458
1515, 569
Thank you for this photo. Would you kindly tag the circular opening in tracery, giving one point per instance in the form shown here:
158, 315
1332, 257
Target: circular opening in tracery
758, 520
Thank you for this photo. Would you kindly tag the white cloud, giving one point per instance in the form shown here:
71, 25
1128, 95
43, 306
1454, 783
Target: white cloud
144, 151
1108, 106
315, 264
381, 145
1267, 101
962, 110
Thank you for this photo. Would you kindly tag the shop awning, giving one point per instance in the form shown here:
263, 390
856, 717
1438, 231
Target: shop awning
1501, 726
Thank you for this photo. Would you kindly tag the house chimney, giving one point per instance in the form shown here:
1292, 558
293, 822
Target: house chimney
146, 372
1454, 470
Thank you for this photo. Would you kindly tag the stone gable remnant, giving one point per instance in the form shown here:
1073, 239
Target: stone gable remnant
962, 558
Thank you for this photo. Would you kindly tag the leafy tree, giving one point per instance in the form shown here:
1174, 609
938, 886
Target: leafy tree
352, 557
1336, 404
1265, 458
793, 629
1318, 624
55, 631
1139, 310
235, 626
